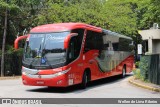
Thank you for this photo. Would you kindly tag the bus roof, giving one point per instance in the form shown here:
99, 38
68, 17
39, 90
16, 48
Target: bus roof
108, 32
57, 27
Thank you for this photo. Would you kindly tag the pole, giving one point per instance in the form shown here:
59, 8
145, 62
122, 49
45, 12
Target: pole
4, 43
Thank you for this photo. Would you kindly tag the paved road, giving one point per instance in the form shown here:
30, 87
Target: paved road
114, 87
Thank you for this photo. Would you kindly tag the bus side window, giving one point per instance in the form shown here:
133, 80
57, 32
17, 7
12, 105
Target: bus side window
94, 41
72, 50
124, 45
115, 46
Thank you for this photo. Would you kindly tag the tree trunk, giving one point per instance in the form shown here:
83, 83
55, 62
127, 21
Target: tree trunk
3, 44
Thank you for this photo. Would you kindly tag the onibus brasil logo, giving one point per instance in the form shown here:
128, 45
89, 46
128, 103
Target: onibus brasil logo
20, 101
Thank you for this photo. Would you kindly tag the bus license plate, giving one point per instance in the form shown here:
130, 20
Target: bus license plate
40, 82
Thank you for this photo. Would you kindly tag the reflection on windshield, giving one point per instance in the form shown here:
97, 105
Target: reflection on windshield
34, 46
49, 46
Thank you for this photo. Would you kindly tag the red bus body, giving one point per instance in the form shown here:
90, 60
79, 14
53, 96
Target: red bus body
72, 73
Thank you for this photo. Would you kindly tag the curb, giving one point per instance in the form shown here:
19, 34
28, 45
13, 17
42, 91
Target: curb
143, 86
9, 78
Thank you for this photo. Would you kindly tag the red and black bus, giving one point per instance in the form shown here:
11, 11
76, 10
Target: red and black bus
65, 54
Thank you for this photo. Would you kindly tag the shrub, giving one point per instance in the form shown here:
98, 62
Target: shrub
137, 64
137, 73
13, 62
144, 66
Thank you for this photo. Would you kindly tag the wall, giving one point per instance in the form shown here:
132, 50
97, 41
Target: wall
153, 33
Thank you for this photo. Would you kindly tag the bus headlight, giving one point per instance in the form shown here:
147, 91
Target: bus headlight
24, 73
29, 71
62, 72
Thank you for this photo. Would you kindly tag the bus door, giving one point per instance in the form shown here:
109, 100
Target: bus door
74, 56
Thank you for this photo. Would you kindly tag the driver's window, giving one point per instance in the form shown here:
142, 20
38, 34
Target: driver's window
75, 45
73, 50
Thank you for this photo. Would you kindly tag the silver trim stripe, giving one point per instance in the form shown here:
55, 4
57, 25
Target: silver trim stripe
46, 76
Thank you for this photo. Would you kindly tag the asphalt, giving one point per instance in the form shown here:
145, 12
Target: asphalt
113, 87
132, 80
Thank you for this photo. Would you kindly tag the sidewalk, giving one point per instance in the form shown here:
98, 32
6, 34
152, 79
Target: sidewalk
142, 84
10, 77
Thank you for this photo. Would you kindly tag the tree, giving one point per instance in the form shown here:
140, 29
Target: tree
122, 16
86, 11
4, 5
3, 44
152, 14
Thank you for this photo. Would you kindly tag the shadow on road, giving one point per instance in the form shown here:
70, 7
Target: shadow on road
77, 88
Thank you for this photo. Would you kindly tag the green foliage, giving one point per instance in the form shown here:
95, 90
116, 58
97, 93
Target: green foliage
144, 66
10, 6
13, 62
142, 72
85, 11
137, 64
150, 13
137, 73
119, 13
122, 16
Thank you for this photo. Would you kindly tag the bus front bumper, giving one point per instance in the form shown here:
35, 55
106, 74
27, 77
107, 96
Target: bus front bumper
42, 80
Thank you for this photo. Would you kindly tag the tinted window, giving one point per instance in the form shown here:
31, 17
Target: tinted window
125, 44
94, 40
75, 45
145, 45
112, 42
115, 46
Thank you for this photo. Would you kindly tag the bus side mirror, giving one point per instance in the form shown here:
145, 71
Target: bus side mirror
68, 38
19, 39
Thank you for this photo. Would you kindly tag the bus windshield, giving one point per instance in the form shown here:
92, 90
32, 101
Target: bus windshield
45, 49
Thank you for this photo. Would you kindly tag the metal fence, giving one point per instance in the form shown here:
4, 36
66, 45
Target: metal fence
150, 68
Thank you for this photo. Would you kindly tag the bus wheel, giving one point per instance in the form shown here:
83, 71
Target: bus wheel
123, 72
84, 81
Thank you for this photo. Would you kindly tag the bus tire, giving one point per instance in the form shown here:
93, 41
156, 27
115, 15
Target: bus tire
84, 80
123, 72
